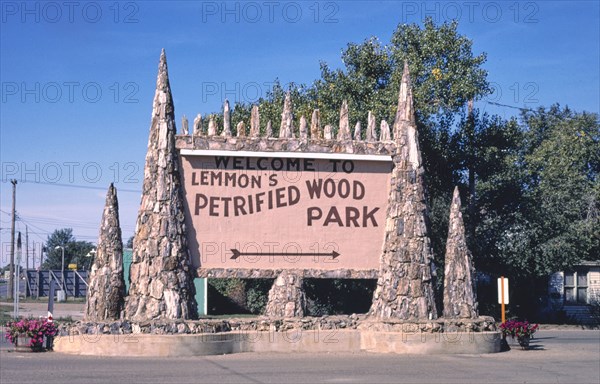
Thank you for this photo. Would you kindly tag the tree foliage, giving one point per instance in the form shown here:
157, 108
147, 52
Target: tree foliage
445, 74
75, 251
559, 224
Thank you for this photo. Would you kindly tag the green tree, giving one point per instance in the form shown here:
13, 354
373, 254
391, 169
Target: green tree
129, 243
445, 74
560, 224
75, 251
485, 163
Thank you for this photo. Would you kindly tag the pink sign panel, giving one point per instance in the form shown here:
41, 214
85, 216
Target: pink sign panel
254, 212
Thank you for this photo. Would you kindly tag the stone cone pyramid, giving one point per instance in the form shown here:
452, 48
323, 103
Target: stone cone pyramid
162, 278
460, 300
286, 296
106, 291
404, 287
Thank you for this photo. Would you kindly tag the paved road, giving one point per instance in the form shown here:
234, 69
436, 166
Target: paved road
558, 357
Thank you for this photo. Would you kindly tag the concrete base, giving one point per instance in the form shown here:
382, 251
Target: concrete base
297, 341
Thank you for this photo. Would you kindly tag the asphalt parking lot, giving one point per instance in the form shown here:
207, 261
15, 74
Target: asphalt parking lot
556, 357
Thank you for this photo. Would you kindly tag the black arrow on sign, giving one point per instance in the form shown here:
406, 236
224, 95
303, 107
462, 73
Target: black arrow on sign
237, 254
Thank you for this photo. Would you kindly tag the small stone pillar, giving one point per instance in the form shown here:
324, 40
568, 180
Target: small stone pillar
106, 290
315, 125
286, 296
371, 134
460, 300
254, 122
344, 128
286, 130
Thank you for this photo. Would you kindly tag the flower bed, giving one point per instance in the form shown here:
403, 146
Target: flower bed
515, 328
34, 331
522, 330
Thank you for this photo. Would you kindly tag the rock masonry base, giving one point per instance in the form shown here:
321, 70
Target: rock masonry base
307, 335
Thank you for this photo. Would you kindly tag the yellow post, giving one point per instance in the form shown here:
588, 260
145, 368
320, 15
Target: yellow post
502, 298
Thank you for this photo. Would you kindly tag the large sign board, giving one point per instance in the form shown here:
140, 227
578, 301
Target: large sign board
285, 210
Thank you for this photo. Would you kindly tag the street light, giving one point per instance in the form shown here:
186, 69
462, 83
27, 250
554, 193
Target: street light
91, 254
62, 268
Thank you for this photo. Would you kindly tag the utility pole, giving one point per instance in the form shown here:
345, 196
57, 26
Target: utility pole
26, 260
26, 248
18, 280
11, 278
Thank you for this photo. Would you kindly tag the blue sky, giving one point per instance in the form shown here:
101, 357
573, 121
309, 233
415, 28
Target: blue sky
78, 79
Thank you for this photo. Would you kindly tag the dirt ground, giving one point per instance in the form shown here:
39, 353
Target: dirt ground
73, 310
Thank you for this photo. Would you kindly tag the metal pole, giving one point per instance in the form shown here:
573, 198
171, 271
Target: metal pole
49, 339
26, 261
62, 271
11, 278
502, 299
17, 280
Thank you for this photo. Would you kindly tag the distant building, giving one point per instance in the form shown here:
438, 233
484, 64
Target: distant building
575, 293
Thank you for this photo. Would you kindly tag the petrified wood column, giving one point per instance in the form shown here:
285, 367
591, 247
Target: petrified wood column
460, 300
286, 297
404, 287
106, 290
162, 279
286, 129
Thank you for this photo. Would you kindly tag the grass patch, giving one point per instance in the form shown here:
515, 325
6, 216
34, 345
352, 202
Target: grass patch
228, 316
5, 315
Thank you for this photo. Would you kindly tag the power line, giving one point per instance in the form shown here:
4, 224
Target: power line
509, 106
79, 186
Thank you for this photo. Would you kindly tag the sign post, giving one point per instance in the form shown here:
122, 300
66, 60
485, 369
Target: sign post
50, 339
503, 295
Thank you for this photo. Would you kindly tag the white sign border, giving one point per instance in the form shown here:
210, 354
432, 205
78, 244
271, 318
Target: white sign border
286, 155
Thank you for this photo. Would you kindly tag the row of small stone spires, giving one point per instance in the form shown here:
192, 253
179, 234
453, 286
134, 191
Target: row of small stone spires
287, 129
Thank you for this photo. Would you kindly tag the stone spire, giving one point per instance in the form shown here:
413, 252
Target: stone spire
212, 126
384, 133
328, 132
161, 275
371, 135
303, 127
185, 127
106, 289
286, 129
404, 287
269, 129
254, 122
405, 119
198, 125
286, 297
226, 119
241, 129
357, 131
315, 125
405, 114
344, 131
460, 300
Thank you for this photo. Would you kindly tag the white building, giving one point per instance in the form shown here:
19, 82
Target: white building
576, 292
